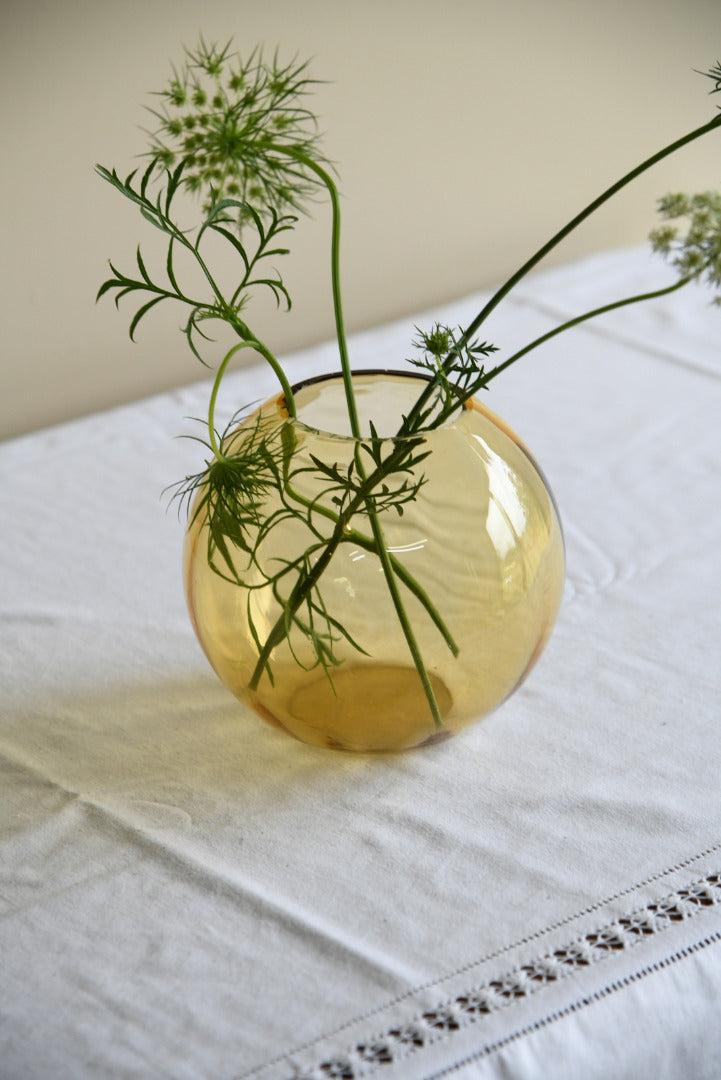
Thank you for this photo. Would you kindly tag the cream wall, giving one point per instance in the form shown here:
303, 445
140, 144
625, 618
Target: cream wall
465, 132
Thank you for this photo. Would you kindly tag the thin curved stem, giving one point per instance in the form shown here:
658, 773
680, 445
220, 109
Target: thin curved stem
332, 188
580, 217
545, 249
354, 536
259, 347
578, 319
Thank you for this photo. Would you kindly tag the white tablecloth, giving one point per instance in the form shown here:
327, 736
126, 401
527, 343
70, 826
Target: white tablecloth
186, 893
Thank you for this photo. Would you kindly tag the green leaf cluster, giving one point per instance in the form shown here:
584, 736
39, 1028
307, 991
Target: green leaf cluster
154, 194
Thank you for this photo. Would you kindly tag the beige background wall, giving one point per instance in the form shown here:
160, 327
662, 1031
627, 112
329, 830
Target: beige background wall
465, 132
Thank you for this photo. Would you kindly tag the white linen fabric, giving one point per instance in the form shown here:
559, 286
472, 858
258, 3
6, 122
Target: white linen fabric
186, 893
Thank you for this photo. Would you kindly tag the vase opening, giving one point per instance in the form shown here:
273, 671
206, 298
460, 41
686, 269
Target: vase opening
382, 397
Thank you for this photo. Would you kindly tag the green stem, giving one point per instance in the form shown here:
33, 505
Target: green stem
259, 347
397, 600
330, 185
354, 536
403, 619
578, 319
546, 248
376, 528
340, 534
580, 217
300, 590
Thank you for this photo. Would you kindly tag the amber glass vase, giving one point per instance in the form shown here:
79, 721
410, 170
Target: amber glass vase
476, 556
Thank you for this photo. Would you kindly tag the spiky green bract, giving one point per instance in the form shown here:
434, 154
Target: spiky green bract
714, 73
241, 128
696, 254
233, 492
242, 497
456, 372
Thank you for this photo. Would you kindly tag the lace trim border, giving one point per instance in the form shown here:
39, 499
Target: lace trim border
457, 1013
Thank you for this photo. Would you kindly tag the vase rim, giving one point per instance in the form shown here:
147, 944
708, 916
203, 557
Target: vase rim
327, 376
337, 376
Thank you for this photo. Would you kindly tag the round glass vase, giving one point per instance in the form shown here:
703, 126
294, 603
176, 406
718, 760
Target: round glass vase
306, 623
